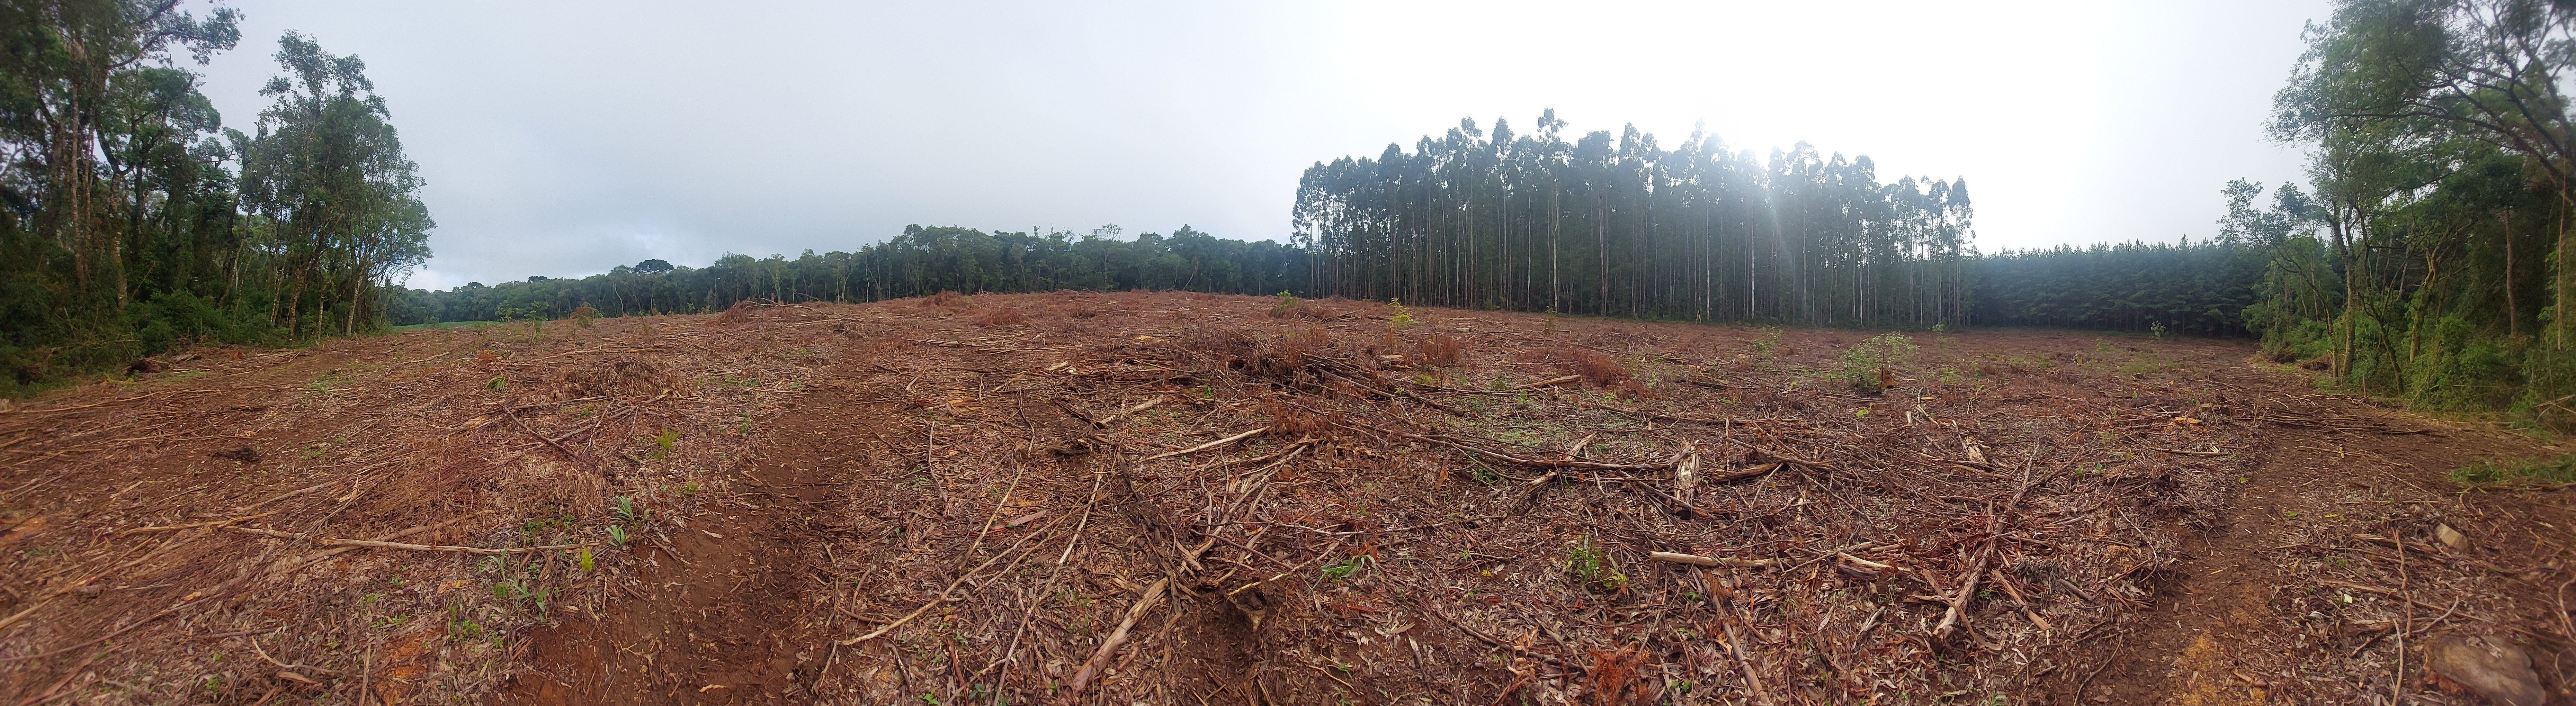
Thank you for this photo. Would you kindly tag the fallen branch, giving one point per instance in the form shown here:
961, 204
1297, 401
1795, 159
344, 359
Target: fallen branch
109, 402
289, 565
1539, 462
436, 548
952, 588
1697, 560
329, 542
1210, 445
1985, 557
1100, 658
1558, 380
208, 523
1113, 418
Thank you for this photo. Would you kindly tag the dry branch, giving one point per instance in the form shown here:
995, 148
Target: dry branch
1697, 560
1210, 445
1099, 658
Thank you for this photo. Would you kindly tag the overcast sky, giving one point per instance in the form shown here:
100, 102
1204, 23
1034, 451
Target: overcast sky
562, 139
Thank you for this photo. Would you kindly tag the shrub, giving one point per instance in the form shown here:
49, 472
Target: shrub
1287, 305
582, 315
1594, 568
1441, 349
1872, 364
1596, 369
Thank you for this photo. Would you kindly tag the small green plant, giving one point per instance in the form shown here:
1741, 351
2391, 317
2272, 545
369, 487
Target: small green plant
1343, 569
1768, 344
689, 489
1403, 318
625, 511
1287, 305
497, 383
588, 564
1872, 364
2156, 329
1594, 568
518, 591
616, 537
663, 442
461, 629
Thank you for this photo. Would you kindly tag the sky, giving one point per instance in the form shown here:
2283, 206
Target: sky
562, 138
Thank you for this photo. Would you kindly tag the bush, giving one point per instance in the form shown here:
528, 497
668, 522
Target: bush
1872, 364
1287, 305
1441, 349
1597, 369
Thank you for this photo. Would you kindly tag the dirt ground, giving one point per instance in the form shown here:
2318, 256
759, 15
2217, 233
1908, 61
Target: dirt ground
1175, 499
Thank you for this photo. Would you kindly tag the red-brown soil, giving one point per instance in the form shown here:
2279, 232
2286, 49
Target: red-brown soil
969, 498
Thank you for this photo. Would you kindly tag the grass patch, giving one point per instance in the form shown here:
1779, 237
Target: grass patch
441, 324
2555, 469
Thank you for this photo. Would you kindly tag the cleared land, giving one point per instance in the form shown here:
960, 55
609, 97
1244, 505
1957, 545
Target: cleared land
1170, 498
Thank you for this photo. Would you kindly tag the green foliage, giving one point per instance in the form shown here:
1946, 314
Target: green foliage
662, 444
1287, 305
1402, 319
2424, 267
1594, 568
2184, 288
1768, 344
1344, 568
2556, 469
624, 511
921, 261
1870, 360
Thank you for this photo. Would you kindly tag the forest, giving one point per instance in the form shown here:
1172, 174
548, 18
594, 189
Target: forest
136, 221
2417, 262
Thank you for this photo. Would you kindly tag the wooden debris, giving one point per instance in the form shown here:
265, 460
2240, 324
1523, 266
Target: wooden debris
1697, 560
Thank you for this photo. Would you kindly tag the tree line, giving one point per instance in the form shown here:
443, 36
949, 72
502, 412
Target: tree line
1621, 226
920, 261
132, 220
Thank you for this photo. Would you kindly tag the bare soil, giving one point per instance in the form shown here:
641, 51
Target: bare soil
1173, 498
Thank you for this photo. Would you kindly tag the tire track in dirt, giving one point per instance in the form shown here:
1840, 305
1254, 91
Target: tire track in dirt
716, 612
747, 600
2217, 634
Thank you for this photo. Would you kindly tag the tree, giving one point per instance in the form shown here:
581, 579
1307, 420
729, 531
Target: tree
327, 172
